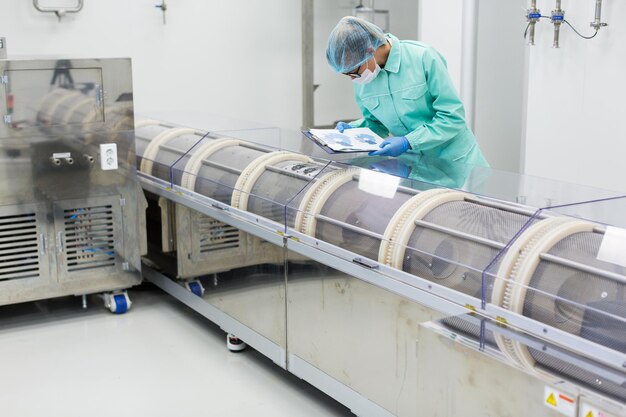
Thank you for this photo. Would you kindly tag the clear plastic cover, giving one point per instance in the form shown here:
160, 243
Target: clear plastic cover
533, 248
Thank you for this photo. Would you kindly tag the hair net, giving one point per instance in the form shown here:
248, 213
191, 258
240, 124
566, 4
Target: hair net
352, 43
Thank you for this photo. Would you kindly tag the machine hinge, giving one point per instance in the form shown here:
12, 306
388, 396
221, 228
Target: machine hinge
122, 202
4, 79
7, 119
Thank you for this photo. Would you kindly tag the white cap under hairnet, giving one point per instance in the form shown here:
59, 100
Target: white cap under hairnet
352, 43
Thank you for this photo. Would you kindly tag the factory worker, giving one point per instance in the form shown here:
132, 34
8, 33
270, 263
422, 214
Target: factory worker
404, 92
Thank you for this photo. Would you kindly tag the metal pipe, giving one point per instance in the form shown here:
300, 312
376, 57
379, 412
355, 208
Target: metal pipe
468, 60
462, 235
597, 23
221, 166
584, 268
557, 17
255, 147
532, 16
507, 207
348, 226
557, 30
173, 150
598, 11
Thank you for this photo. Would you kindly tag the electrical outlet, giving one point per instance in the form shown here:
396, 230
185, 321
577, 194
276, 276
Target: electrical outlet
108, 156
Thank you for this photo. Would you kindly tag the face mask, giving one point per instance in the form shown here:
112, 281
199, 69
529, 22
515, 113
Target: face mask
367, 76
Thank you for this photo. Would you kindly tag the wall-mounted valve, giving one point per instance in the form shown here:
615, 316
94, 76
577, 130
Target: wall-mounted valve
532, 17
597, 22
557, 18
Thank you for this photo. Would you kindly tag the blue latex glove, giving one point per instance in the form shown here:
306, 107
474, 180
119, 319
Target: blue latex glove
392, 147
341, 126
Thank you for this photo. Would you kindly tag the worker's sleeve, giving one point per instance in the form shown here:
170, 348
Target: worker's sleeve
370, 121
449, 118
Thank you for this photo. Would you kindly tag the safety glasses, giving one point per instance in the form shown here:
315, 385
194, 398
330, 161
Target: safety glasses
354, 74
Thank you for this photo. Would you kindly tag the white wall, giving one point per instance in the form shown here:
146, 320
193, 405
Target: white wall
440, 25
500, 89
334, 98
576, 111
500, 69
239, 59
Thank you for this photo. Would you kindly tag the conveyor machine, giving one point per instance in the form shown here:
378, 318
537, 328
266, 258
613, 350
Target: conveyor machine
370, 258
70, 215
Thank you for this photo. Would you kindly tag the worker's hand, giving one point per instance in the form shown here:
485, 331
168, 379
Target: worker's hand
341, 126
392, 147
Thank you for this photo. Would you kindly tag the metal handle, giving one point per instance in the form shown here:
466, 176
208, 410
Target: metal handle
60, 242
99, 95
42, 243
220, 207
59, 11
366, 263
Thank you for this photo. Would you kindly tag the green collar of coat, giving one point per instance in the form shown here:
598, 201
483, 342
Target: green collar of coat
393, 60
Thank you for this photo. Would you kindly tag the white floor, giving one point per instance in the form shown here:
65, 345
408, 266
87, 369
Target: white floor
160, 359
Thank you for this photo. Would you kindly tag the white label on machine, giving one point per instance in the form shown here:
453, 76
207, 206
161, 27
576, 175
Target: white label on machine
559, 401
587, 410
62, 155
613, 247
377, 183
108, 156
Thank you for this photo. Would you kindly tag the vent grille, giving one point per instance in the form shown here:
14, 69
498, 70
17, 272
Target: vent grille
19, 247
215, 235
89, 238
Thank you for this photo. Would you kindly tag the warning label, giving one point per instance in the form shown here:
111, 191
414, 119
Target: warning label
588, 410
561, 402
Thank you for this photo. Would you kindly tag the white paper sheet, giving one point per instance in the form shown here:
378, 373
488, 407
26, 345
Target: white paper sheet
377, 183
361, 139
613, 246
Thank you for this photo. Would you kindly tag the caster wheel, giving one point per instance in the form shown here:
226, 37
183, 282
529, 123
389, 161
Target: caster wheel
117, 303
234, 344
195, 287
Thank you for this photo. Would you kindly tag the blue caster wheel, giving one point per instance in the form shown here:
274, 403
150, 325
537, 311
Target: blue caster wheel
195, 287
117, 303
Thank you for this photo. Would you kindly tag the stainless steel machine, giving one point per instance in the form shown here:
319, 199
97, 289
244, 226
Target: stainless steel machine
70, 209
395, 294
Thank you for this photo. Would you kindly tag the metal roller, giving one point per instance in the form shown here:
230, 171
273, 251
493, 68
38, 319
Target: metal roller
211, 166
551, 274
456, 239
336, 210
145, 131
168, 153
